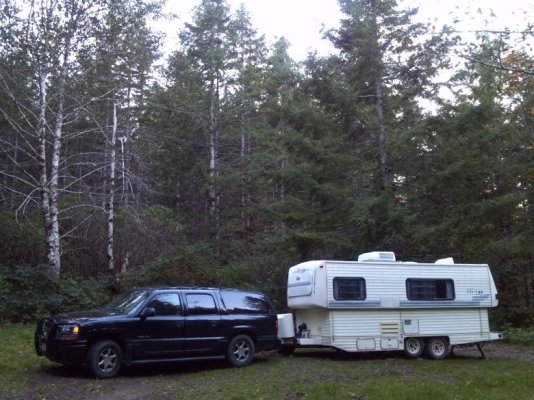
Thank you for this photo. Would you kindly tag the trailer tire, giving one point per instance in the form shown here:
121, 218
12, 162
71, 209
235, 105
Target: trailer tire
438, 348
413, 347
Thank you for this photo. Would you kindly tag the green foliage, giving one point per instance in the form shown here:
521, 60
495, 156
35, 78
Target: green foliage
27, 293
520, 335
79, 293
21, 241
181, 268
322, 160
30, 292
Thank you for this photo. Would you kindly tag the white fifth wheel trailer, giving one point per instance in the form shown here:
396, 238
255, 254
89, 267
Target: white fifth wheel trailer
380, 304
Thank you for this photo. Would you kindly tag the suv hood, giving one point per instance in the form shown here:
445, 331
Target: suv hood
82, 316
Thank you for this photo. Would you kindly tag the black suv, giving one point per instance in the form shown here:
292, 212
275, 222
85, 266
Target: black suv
162, 324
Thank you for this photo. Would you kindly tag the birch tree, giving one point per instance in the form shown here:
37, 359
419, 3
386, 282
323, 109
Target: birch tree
49, 73
119, 69
111, 199
46, 35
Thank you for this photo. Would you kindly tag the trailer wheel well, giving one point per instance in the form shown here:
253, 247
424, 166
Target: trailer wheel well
428, 339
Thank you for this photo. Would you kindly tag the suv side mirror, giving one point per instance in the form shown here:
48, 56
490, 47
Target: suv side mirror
148, 312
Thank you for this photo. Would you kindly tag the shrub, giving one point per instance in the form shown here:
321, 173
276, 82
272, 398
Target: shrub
78, 293
29, 292
519, 335
26, 292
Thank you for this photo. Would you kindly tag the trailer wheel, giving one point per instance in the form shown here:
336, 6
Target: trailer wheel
438, 348
413, 347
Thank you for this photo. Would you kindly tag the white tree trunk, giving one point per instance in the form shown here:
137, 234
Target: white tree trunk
53, 240
41, 153
49, 187
111, 199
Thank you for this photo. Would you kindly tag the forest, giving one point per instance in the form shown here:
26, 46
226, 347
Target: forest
227, 162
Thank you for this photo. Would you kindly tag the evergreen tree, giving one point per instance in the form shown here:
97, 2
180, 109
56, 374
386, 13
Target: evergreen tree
386, 65
209, 49
468, 183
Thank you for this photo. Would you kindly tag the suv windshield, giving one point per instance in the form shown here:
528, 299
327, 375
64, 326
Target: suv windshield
127, 302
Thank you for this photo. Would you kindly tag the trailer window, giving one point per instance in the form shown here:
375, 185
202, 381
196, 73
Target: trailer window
349, 289
430, 289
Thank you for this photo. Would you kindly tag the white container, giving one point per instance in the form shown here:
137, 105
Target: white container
286, 328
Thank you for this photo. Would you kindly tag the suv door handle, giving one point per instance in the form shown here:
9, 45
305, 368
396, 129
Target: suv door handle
214, 323
180, 324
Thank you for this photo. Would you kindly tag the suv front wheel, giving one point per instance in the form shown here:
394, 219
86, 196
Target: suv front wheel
240, 351
104, 359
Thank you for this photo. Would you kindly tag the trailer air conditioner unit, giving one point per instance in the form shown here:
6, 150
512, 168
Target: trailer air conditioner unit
445, 261
383, 256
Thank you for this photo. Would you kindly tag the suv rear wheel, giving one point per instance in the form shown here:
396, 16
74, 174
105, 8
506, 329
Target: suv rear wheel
104, 359
240, 351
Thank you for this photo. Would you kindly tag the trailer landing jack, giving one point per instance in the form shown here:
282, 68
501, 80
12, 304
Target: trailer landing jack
479, 346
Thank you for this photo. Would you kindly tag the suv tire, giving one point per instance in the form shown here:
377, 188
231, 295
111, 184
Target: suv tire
240, 351
104, 359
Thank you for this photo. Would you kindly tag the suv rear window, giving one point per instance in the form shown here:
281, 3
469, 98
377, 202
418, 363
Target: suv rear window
245, 303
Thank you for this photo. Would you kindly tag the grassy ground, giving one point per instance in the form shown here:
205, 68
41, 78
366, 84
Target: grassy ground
508, 373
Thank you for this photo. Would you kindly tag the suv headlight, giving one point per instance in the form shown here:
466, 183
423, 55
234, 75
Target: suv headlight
68, 332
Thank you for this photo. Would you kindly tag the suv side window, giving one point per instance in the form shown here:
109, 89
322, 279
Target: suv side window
166, 304
200, 304
245, 303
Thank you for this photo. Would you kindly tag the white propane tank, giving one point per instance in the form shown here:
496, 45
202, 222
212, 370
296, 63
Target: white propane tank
286, 328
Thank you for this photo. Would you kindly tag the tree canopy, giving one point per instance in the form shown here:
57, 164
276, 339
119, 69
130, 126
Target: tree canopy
231, 161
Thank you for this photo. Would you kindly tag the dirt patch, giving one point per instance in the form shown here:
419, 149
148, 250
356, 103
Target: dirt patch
497, 350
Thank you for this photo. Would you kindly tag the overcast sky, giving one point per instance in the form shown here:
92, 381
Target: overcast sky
301, 21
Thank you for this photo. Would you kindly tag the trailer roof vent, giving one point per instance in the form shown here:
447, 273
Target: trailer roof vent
383, 256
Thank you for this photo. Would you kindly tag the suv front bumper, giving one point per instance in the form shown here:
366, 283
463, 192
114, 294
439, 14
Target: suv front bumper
63, 352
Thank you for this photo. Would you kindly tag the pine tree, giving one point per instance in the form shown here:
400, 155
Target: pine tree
386, 65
